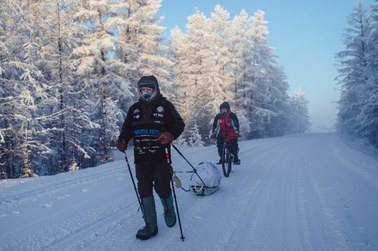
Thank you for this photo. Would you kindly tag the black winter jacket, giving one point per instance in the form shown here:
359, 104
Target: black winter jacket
144, 122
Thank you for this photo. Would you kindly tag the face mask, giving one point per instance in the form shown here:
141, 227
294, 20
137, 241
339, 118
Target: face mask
146, 92
224, 112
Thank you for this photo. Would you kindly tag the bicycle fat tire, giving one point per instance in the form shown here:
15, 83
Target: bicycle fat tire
229, 160
225, 159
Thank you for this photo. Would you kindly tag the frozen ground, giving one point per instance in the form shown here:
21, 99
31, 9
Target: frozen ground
302, 192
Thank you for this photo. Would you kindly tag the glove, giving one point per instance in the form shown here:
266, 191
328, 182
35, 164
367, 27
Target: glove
166, 138
237, 134
212, 136
121, 145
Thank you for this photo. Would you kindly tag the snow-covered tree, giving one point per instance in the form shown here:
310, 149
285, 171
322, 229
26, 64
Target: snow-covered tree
188, 59
101, 72
25, 87
201, 57
298, 121
217, 75
68, 71
220, 59
181, 70
353, 72
369, 111
195, 139
61, 34
264, 86
241, 42
141, 44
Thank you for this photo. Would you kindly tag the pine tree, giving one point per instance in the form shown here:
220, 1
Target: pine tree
188, 51
264, 84
240, 40
298, 120
142, 47
202, 59
24, 88
353, 69
102, 73
59, 110
369, 111
195, 138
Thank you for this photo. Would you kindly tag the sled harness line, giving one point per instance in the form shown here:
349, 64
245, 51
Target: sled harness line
194, 170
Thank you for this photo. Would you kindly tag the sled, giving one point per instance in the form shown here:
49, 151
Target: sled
206, 179
203, 190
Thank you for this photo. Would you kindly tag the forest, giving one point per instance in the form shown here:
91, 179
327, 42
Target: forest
358, 78
68, 73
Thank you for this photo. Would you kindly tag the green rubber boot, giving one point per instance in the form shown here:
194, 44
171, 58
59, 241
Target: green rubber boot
169, 211
149, 214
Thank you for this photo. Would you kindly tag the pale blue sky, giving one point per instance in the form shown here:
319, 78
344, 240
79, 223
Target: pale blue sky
305, 34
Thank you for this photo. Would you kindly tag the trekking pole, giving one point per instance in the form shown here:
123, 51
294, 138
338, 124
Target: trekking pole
194, 170
132, 179
168, 157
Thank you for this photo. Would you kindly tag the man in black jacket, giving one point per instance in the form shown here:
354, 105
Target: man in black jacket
153, 123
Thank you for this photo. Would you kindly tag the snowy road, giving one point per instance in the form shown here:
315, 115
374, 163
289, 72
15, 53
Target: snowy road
303, 192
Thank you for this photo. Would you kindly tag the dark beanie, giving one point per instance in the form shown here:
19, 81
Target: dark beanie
148, 81
225, 105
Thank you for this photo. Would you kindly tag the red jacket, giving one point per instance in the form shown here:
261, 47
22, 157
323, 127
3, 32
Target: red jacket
226, 126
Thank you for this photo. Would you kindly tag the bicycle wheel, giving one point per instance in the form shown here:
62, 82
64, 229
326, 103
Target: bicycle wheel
225, 161
230, 159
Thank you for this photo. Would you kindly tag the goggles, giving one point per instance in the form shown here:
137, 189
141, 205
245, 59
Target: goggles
146, 89
146, 85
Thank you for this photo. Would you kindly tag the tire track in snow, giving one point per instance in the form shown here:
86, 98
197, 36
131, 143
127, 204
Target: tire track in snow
40, 189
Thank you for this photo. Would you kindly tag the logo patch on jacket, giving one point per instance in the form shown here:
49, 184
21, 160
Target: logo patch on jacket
160, 109
136, 114
159, 112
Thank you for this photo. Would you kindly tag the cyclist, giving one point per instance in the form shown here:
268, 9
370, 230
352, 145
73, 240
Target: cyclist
226, 125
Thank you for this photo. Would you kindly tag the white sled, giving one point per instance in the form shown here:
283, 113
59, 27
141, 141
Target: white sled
203, 190
206, 179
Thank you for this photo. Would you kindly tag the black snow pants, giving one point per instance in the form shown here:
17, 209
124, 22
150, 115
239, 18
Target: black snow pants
233, 147
157, 175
